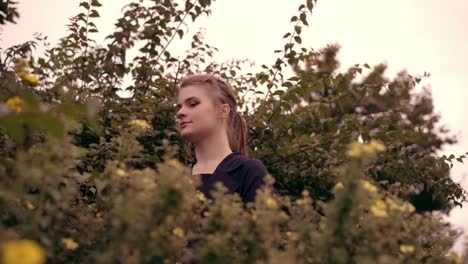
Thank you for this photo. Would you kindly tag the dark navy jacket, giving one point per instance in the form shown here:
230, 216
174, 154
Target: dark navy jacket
238, 173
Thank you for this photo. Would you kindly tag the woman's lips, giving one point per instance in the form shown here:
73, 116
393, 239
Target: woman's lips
183, 124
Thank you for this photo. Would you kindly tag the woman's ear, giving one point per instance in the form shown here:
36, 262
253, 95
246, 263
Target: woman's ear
224, 110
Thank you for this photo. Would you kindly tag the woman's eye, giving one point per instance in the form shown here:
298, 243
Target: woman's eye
193, 104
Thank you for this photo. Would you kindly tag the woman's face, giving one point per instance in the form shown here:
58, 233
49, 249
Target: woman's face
197, 113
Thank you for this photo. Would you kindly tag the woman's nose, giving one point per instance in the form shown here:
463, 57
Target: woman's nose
180, 113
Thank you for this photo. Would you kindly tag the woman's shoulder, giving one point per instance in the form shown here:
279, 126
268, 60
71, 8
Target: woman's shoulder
252, 176
253, 164
252, 168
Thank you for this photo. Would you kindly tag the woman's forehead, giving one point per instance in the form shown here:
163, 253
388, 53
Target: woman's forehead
193, 91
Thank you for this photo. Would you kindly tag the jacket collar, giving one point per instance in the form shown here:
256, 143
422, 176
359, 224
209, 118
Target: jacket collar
229, 163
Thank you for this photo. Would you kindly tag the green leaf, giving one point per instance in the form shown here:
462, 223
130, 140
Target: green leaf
278, 92
303, 18
14, 128
94, 13
204, 3
287, 84
318, 87
288, 46
52, 125
84, 4
31, 102
298, 29
310, 5
285, 105
188, 5
298, 39
95, 3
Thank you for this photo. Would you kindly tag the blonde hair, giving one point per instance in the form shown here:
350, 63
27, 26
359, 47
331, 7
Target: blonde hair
237, 127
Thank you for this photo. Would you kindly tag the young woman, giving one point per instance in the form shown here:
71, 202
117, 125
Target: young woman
208, 120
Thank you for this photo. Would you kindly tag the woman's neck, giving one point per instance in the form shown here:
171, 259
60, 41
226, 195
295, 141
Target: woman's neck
212, 149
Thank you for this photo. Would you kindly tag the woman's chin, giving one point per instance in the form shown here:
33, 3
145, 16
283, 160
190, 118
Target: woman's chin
192, 137
187, 135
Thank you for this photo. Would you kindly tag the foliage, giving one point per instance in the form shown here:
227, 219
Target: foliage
89, 176
8, 11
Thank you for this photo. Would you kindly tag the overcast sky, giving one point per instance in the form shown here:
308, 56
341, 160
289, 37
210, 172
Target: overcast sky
419, 36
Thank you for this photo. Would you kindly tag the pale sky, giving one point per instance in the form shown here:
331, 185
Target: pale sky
419, 36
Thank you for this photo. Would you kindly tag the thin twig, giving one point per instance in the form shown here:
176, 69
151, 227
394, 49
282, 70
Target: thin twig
170, 40
176, 78
86, 49
284, 55
304, 149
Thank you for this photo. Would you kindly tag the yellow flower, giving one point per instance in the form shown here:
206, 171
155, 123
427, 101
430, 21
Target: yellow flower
338, 186
31, 79
406, 249
22, 74
367, 148
148, 182
402, 206
22, 70
355, 150
407, 207
379, 209
254, 216
140, 124
120, 172
369, 186
30, 205
23, 252
373, 147
16, 104
391, 204
174, 163
201, 197
69, 243
291, 235
271, 203
178, 232
377, 146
